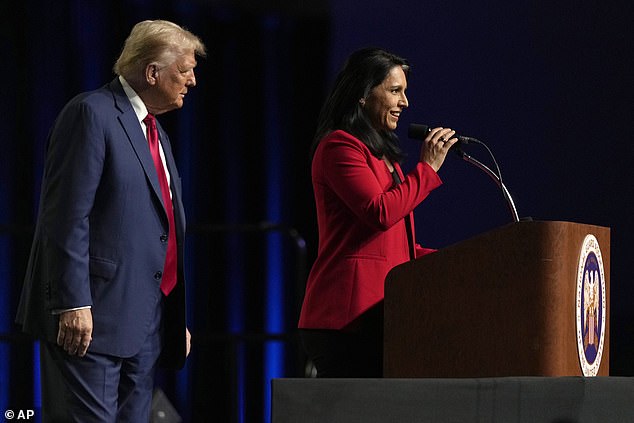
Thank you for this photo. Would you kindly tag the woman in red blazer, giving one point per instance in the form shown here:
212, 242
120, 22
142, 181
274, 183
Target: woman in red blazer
364, 212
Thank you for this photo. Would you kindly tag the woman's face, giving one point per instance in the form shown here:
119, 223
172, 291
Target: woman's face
387, 100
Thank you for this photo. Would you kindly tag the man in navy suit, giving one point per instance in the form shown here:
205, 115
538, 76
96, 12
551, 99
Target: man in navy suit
104, 289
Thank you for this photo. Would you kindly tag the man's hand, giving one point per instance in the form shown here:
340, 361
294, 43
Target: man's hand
188, 342
75, 331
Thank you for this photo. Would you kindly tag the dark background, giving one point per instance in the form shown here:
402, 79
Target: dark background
545, 84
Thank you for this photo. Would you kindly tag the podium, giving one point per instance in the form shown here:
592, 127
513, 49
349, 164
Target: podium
504, 303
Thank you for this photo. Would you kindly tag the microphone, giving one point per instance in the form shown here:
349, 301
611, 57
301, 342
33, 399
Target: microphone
419, 132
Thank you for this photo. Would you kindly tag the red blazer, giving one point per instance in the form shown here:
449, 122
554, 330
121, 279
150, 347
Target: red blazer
362, 234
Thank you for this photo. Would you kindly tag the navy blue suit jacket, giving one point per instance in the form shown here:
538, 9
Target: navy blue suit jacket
100, 235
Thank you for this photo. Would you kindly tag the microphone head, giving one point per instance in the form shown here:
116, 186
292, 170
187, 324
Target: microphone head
417, 131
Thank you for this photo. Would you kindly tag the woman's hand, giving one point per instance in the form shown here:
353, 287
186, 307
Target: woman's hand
436, 145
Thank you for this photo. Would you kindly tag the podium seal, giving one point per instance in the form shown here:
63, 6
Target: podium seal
591, 306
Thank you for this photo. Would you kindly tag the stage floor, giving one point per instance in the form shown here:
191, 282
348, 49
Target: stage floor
504, 400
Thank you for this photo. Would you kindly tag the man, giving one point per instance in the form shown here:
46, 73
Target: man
104, 288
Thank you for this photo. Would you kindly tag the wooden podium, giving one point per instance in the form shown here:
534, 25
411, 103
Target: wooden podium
503, 303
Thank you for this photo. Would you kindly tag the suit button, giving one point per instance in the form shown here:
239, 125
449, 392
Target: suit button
158, 275
164, 238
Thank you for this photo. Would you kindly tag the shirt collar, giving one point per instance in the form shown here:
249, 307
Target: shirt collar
137, 104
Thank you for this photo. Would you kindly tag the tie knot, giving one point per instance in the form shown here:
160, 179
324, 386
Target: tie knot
149, 120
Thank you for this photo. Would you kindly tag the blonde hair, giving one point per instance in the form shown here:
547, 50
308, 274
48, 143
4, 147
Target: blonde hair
155, 41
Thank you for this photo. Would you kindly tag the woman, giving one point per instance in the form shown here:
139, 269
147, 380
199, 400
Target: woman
364, 212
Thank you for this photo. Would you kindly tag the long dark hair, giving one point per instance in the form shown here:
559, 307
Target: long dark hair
364, 70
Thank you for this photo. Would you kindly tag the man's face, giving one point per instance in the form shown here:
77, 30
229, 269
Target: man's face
171, 84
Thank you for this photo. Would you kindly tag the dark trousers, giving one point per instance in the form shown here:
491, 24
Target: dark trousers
354, 352
96, 387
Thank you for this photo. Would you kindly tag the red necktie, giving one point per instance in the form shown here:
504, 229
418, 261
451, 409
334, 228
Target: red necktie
169, 271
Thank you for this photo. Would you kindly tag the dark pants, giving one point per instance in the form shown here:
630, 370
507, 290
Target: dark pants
354, 352
96, 387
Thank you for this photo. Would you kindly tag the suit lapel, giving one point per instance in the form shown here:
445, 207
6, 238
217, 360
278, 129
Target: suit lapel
409, 221
132, 128
399, 171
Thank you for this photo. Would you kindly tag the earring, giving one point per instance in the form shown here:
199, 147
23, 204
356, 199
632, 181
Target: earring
362, 101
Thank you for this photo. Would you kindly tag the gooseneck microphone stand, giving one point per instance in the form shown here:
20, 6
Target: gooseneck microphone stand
496, 178
417, 131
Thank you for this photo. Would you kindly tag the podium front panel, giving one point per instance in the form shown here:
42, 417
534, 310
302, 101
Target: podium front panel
500, 304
